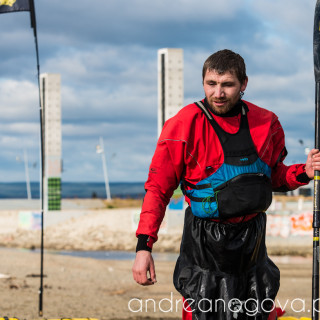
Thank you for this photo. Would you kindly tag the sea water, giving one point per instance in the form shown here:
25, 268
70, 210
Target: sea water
69, 190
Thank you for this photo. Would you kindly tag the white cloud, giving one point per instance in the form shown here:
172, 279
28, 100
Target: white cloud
293, 17
107, 60
19, 100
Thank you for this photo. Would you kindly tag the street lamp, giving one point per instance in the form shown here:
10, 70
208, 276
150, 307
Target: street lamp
100, 149
26, 169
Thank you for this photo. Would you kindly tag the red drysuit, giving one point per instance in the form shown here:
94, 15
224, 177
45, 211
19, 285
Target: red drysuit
189, 148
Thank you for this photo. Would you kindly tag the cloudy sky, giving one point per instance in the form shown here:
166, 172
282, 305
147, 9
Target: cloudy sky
106, 53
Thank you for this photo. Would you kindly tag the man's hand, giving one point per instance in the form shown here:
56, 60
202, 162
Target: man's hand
313, 163
142, 264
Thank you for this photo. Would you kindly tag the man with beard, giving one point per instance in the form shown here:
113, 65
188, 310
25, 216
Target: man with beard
227, 154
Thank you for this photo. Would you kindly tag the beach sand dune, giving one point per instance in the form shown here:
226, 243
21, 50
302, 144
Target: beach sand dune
111, 229
103, 229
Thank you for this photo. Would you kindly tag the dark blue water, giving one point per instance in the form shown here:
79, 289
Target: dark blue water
18, 190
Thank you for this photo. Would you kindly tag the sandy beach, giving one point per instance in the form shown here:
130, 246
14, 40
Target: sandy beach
78, 287
104, 289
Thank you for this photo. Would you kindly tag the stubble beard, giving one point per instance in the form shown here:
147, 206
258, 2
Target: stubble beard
221, 110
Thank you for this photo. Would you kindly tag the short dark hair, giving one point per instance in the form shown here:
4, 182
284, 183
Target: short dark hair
226, 60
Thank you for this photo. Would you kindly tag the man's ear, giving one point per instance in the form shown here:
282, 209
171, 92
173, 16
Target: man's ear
244, 85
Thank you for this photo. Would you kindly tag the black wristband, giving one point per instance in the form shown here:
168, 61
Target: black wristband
142, 244
303, 178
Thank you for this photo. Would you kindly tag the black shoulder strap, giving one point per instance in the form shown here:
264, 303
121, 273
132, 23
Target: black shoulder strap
235, 146
220, 132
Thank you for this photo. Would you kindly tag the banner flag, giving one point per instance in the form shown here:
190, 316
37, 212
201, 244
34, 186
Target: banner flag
14, 5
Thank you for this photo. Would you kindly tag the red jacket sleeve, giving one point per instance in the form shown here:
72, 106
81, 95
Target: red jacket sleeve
284, 178
165, 172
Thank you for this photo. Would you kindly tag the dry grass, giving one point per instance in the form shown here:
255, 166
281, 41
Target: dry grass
123, 203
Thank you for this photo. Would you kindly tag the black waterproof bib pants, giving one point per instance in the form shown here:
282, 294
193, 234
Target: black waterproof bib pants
224, 270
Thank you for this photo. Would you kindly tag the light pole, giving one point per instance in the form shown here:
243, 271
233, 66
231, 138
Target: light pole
100, 149
26, 169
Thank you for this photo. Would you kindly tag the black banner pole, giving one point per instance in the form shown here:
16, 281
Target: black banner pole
316, 199
42, 179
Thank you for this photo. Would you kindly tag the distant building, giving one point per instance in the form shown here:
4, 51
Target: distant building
51, 103
170, 84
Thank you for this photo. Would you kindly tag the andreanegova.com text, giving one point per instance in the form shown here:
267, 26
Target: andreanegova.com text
250, 307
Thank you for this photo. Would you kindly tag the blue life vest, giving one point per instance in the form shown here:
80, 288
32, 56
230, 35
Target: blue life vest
241, 186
